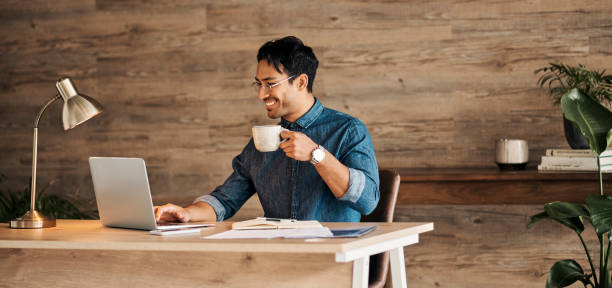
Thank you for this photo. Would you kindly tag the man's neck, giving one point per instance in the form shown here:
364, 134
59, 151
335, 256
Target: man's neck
304, 108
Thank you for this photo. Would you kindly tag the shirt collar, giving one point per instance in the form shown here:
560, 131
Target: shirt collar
307, 118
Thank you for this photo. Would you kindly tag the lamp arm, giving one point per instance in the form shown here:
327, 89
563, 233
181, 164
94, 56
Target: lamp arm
35, 152
42, 110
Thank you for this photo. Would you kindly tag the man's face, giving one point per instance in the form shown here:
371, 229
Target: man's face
277, 100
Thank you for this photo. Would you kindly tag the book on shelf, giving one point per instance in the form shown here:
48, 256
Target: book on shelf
575, 160
274, 223
555, 164
570, 152
572, 168
569, 161
576, 153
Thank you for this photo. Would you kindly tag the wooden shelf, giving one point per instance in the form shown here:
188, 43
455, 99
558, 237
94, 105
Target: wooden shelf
492, 186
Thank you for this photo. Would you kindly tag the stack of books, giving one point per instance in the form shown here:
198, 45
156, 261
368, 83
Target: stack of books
575, 160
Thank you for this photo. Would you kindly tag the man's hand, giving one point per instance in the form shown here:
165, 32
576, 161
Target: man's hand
171, 213
298, 146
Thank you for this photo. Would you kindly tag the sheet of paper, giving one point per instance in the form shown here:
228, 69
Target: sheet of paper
273, 233
178, 231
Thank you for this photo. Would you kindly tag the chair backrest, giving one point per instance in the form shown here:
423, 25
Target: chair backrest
389, 188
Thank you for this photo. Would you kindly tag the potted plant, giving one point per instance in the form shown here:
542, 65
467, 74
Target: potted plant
595, 122
15, 203
561, 78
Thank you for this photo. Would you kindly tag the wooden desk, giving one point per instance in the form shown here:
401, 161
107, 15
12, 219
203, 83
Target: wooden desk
83, 253
492, 186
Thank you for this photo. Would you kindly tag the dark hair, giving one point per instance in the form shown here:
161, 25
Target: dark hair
295, 58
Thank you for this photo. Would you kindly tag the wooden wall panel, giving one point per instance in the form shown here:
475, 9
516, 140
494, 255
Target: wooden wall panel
488, 246
436, 82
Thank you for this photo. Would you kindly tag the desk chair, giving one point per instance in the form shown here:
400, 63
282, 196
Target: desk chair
389, 187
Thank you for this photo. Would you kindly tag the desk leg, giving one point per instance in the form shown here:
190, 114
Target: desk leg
398, 268
361, 271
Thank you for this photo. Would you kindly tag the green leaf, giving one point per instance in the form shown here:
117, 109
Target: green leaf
545, 78
601, 212
568, 214
561, 210
59, 208
537, 217
15, 204
565, 273
592, 119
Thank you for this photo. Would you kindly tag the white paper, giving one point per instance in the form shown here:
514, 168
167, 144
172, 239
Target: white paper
176, 226
178, 231
300, 233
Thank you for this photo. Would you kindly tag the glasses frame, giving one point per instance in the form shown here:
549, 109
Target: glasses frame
268, 87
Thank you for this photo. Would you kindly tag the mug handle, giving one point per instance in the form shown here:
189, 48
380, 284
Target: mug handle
285, 139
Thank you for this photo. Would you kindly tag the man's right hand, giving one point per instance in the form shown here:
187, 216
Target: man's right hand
171, 213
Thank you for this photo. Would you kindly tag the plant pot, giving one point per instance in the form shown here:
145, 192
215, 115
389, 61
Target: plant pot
573, 136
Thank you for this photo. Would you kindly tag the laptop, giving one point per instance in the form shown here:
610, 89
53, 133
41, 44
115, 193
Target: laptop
123, 195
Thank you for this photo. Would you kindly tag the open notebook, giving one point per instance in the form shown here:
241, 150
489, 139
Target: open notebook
268, 228
274, 223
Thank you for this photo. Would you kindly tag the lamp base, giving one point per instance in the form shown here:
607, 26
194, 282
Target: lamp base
32, 220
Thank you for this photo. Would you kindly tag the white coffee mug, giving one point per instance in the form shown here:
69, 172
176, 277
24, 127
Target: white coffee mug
267, 137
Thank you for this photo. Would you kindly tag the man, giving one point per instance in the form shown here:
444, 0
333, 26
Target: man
326, 170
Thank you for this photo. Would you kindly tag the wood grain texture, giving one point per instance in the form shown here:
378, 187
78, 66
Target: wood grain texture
491, 186
488, 245
436, 83
94, 268
92, 235
84, 247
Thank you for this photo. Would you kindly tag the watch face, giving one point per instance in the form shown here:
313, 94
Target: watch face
318, 155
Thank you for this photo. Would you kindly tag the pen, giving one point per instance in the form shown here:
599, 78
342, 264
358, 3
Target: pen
276, 219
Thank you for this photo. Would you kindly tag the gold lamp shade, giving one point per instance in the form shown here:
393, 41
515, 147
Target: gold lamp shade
77, 108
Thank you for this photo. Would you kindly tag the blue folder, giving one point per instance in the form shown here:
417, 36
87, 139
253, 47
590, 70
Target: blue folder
352, 232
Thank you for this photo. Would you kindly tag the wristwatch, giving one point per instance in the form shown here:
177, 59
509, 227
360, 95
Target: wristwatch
317, 155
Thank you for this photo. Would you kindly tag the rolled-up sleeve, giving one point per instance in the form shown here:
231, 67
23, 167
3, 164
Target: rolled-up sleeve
216, 205
358, 155
235, 191
356, 185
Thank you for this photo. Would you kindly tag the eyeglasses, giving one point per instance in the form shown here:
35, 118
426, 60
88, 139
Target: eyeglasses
268, 86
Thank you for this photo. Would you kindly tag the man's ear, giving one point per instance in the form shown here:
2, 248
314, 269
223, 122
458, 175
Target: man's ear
301, 81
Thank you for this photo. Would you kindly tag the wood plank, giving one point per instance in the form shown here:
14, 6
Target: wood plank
483, 175
168, 269
490, 186
474, 245
92, 235
513, 18
157, 6
13, 9
118, 32
235, 17
500, 192
600, 44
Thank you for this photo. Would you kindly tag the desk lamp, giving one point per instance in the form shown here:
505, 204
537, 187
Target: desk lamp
77, 109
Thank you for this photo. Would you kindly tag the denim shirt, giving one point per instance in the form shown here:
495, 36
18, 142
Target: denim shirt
288, 188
